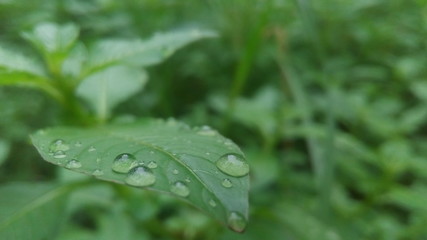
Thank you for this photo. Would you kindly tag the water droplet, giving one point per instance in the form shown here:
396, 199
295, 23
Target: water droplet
123, 163
58, 145
151, 152
175, 171
91, 149
140, 177
98, 160
228, 142
206, 131
208, 153
187, 179
98, 172
233, 165
226, 183
212, 203
180, 189
236, 222
73, 164
152, 164
78, 144
59, 154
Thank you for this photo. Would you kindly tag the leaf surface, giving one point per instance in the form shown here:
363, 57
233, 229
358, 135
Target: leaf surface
164, 156
104, 90
141, 53
30, 211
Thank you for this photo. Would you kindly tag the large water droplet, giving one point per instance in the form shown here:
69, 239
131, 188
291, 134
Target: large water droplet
59, 154
226, 183
152, 164
140, 177
73, 164
233, 165
236, 222
123, 163
58, 145
180, 189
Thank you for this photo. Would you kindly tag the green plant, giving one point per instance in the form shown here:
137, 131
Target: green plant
196, 164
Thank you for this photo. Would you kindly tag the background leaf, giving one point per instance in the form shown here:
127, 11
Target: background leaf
105, 89
164, 156
4, 150
141, 53
30, 211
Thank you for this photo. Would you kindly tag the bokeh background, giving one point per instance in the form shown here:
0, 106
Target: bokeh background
326, 98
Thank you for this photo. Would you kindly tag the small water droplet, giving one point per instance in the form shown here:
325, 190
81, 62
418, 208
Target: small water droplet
91, 149
226, 183
73, 164
212, 203
98, 160
78, 144
59, 154
208, 153
236, 222
187, 179
179, 188
206, 131
228, 142
58, 145
98, 172
152, 164
151, 152
140, 177
123, 163
233, 165
175, 171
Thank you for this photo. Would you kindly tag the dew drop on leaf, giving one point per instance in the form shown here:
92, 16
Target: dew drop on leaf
140, 176
98, 172
78, 144
91, 149
59, 154
226, 183
212, 203
236, 222
233, 165
73, 164
58, 145
175, 171
179, 188
206, 131
152, 164
123, 163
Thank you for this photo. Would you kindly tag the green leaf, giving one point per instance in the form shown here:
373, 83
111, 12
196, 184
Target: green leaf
30, 211
105, 89
164, 156
141, 53
51, 37
14, 62
4, 150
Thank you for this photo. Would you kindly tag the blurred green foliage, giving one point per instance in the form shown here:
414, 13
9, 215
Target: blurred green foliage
327, 99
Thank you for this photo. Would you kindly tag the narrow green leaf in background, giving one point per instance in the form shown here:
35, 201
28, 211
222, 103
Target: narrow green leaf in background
4, 150
197, 165
105, 89
30, 211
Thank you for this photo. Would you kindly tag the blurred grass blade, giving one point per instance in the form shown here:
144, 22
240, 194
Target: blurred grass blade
4, 150
30, 211
141, 53
197, 165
